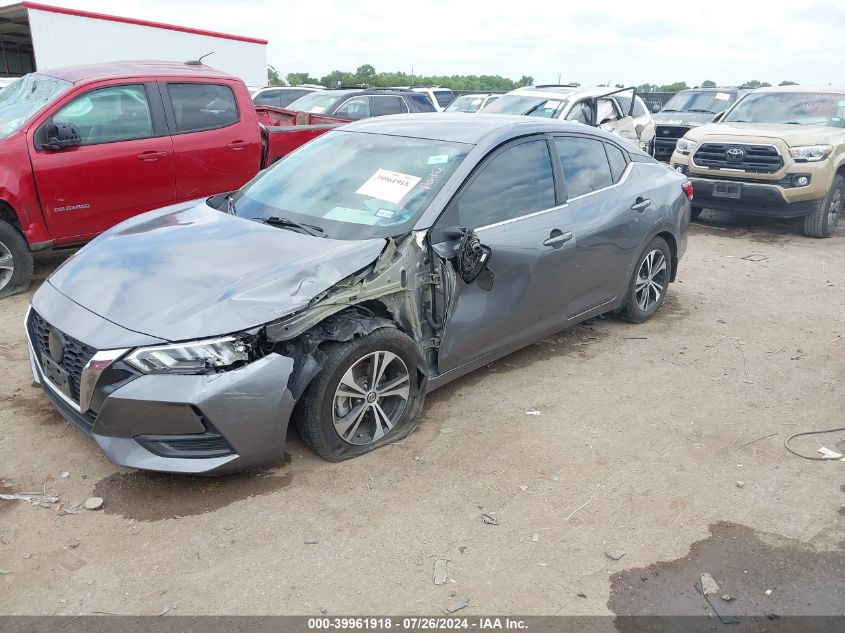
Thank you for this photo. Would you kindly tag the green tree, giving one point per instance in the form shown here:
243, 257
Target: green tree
788, 83
674, 87
708, 83
273, 77
526, 80
754, 83
297, 79
647, 88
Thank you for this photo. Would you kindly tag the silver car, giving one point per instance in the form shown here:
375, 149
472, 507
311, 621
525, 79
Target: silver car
371, 266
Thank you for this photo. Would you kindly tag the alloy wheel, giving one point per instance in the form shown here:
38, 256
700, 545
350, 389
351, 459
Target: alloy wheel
7, 265
835, 207
651, 280
371, 397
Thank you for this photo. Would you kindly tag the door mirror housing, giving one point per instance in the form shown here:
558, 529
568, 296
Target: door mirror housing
719, 116
61, 136
655, 108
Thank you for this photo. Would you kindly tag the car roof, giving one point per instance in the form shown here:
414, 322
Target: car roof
559, 92
462, 128
117, 70
819, 89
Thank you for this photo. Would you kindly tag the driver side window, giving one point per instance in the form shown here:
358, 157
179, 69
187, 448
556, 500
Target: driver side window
107, 115
355, 108
514, 183
580, 112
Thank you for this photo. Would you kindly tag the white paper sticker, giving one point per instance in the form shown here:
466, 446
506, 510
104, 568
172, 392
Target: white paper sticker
356, 216
439, 159
390, 186
722, 96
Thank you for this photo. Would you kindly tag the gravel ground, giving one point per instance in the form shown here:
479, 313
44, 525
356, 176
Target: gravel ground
643, 436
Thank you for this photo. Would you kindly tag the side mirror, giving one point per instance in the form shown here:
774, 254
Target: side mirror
655, 108
472, 259
61, 136
719, 116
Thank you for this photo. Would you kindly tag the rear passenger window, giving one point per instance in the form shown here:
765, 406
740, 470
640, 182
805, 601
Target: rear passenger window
617, 159
271, 98
584, 163
198, 107
422, 102
516, 182
387, 105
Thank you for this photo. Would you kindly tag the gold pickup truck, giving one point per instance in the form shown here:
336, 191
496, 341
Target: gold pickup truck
779, 152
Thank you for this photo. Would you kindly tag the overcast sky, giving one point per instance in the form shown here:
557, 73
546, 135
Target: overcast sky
629, 42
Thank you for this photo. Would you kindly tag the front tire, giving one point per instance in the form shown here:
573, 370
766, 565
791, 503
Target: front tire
822, 222
15, 261
649, 282
368, 394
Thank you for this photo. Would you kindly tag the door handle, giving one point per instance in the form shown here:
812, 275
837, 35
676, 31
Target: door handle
151, 155
557, 239
641, 205
236, 145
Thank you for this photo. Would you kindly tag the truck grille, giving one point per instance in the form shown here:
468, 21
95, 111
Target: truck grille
76, 354
759, 159
671, 131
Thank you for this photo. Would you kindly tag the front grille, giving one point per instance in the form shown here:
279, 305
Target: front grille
76, 354
671, 131
759, 159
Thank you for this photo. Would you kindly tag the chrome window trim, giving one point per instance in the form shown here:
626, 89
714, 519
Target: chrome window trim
621, 181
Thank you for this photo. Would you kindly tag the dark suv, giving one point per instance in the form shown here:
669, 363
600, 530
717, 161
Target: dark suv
358, 104
689, 109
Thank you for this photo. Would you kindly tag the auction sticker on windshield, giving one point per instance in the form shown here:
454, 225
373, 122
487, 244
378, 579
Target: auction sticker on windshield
390, 186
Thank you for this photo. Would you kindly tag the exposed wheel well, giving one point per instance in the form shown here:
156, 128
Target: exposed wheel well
7, 214
673, 249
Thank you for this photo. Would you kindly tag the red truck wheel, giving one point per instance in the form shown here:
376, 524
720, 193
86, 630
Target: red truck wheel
15, 261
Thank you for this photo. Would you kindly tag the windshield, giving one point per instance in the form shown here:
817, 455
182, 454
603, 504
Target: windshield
319, 102
353, 186
466, 104
524, 104
798, 108
700, 101
24, 97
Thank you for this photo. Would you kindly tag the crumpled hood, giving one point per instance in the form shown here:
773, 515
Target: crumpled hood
792, 135
692, 119
182, 273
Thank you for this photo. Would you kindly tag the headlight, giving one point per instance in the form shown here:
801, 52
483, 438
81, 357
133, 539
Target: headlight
685, 146
198, 357
810, 153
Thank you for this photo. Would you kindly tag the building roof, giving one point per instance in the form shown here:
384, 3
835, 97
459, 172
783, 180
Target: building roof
36, 6
116, 70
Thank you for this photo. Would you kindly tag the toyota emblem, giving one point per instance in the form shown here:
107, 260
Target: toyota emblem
56, 345
735, 153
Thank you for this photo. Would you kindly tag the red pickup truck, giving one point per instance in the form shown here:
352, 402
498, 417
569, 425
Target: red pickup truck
83, 148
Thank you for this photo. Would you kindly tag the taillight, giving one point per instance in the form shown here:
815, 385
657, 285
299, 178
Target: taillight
687, 187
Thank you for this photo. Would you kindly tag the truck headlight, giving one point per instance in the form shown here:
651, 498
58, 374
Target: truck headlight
685, 146
196, 357
810, 153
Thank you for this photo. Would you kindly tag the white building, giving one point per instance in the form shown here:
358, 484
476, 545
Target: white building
35, 36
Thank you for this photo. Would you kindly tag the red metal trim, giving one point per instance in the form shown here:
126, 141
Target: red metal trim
156, 25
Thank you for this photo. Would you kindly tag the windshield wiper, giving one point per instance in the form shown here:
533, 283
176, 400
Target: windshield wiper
700, 110
310, 229
669, 110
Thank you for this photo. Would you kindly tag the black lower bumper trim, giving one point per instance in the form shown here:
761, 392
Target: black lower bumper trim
83, 421
193, 446
754, 200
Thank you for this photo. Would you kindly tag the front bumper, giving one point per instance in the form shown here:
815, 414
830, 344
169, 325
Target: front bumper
206, 424
754, 199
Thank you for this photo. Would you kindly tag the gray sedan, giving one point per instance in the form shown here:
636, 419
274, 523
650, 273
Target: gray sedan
371, 266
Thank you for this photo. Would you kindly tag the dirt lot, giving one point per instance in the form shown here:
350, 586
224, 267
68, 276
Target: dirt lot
643, 436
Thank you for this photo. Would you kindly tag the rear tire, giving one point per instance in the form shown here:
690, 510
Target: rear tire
822, 222
695, 212
344, 413
15, 261
649, 282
